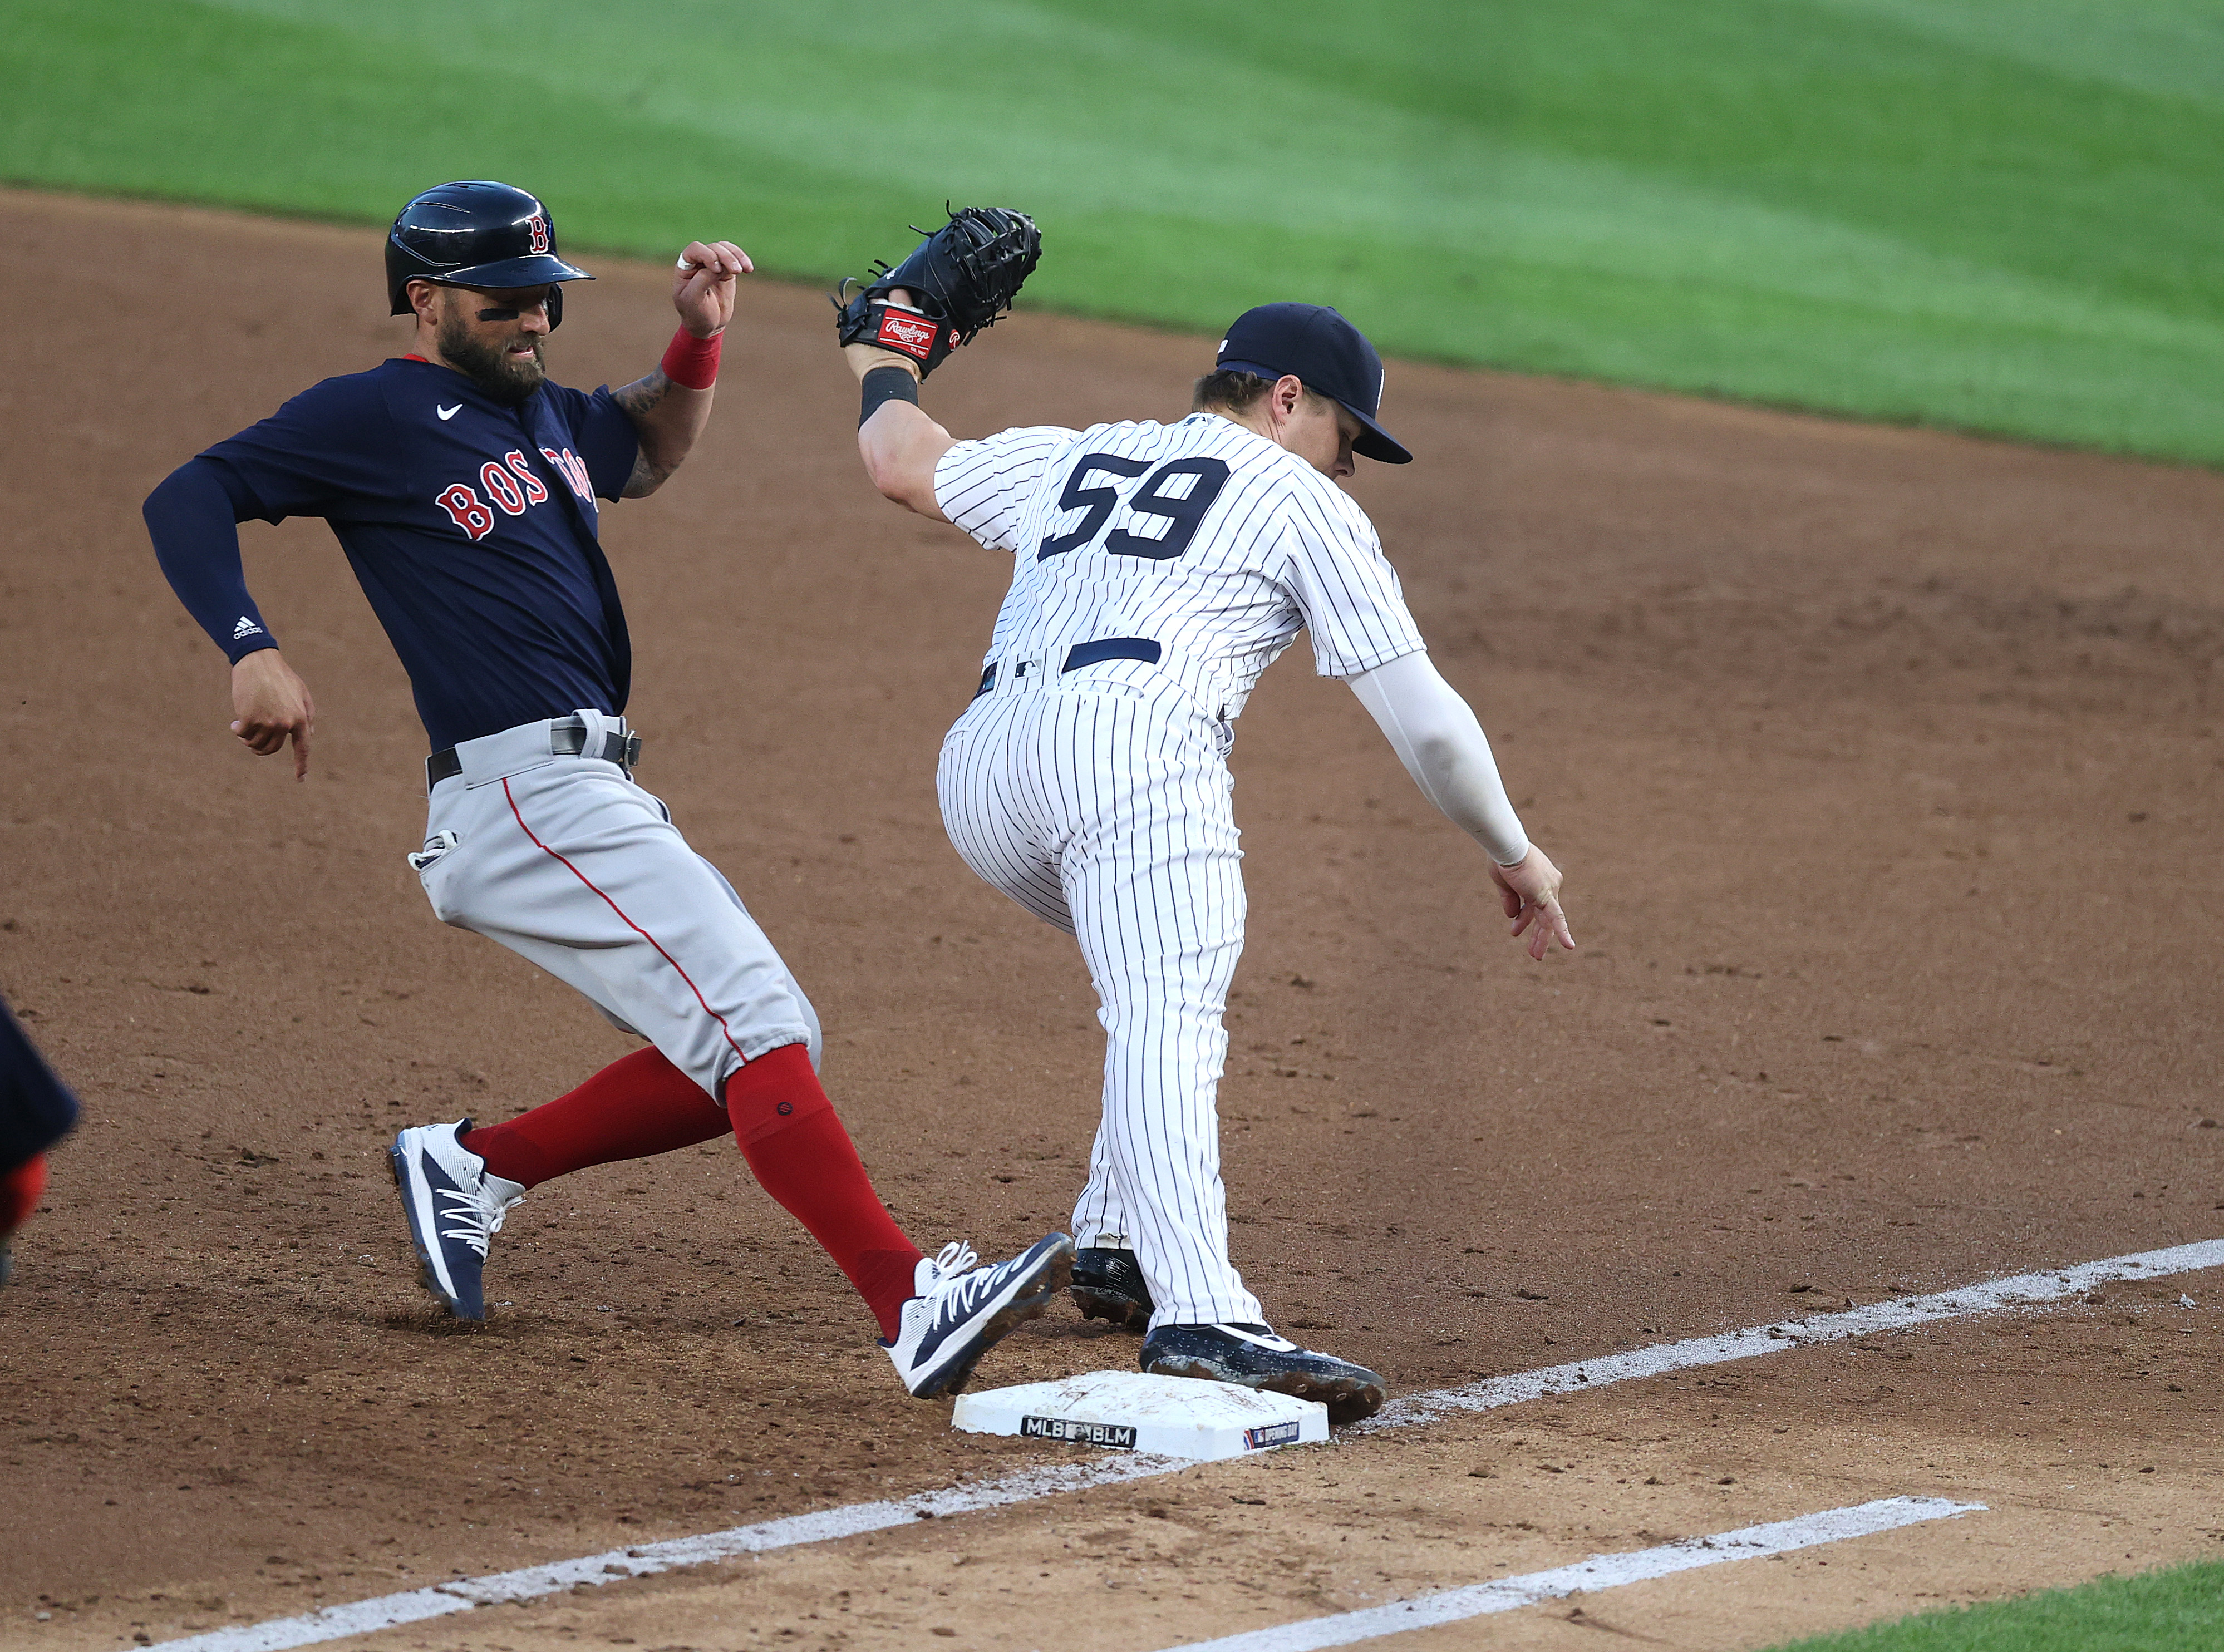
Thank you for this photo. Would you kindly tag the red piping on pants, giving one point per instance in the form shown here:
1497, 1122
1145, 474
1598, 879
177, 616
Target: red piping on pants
728, 1031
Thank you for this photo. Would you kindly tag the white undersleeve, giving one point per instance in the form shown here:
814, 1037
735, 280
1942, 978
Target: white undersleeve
1437, 737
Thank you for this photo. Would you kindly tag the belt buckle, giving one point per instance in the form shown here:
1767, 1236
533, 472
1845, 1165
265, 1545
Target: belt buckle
619, 744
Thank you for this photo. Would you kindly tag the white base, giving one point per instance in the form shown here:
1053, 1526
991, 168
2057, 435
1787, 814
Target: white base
1126, 1410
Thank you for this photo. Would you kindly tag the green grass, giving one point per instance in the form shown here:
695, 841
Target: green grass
2179, 1610
2000, 214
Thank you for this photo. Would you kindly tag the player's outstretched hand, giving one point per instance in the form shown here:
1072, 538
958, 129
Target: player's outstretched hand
863, 358
270, 705
1531, 894
703, 284
959, 280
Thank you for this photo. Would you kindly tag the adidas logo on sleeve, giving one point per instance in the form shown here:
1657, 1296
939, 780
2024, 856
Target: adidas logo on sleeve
246, 627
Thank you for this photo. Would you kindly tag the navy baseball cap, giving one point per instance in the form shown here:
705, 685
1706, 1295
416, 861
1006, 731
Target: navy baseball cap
1328, 353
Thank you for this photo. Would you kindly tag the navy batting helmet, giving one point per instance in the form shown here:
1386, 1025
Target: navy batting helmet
475, 233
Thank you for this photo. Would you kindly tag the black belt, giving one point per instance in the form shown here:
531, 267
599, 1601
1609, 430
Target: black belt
567, 737
1090, 653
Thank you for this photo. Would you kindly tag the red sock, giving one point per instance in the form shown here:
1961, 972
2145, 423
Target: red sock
19, 1189
631, 1109
805, 1159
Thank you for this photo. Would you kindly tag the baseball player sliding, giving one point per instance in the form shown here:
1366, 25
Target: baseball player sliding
1158, 570
462, 484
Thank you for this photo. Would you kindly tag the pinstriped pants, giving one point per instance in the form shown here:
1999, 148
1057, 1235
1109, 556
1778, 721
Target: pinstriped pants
1102, 807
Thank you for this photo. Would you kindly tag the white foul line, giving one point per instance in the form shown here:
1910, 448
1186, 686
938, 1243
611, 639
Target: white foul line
1600, 1572
1899, 1314
532, 1582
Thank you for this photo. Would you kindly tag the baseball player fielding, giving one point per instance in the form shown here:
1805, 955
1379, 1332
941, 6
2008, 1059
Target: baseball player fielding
464, 486
1158, 568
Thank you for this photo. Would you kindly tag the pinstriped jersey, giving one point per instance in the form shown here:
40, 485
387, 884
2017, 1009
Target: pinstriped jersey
1201, 536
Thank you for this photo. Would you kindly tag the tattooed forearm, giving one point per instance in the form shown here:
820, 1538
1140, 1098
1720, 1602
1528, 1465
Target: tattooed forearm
643, 396
667, 417
646, 478
640, 400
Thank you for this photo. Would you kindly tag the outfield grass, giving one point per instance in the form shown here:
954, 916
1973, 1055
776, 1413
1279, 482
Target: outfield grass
2002, 216
2179, 1610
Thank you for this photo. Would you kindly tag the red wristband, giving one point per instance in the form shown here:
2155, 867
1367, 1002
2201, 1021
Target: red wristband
692, 362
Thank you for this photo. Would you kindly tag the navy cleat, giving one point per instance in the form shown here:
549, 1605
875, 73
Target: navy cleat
1107, 1284
453, 1205
962, 1311
1251, 1356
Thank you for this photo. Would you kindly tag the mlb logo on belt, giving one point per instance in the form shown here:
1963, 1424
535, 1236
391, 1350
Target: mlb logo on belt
912, 334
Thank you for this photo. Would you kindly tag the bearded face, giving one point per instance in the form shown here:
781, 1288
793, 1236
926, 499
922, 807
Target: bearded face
503, 355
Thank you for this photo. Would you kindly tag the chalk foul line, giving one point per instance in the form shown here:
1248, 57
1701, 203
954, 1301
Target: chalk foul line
1600, 1572
613, 1565
1904, 1313
852, 1520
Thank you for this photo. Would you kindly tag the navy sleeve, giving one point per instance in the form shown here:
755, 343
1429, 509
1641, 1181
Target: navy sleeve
193, 519
327, 448
604, 435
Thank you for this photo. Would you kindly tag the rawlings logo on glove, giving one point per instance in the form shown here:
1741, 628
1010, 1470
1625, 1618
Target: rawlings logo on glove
962, 278
912, 334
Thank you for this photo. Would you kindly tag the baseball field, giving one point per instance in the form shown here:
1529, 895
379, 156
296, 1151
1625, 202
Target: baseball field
1884, 763
1953, 212
1836, 1238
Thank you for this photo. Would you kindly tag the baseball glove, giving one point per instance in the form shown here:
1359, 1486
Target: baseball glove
960, 279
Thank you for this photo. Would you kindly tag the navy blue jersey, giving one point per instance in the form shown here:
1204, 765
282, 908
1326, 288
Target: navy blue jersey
473, 527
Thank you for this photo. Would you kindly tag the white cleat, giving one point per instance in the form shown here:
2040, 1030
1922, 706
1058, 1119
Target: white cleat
454, 1205
962, 1311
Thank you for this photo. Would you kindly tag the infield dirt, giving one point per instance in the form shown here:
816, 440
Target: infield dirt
1883, 765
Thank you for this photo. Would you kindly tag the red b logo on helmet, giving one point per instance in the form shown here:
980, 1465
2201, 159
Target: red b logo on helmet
540, 228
